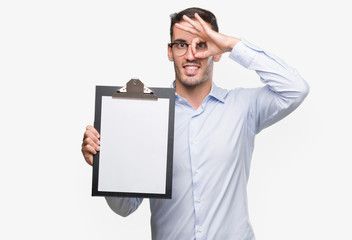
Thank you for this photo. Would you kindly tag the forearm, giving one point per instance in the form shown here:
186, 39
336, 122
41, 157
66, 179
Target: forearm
123, 206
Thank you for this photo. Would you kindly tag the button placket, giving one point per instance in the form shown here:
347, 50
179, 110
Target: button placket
194, 151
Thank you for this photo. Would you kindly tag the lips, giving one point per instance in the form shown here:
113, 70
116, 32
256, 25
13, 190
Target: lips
191, 69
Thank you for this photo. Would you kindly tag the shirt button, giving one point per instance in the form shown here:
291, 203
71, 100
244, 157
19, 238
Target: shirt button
194, 142
197, 171
198, 200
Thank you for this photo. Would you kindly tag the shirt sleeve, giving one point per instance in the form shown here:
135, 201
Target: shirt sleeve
284, 88
123, 206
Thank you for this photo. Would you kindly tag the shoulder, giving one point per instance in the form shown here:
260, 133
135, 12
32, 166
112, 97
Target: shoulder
242, 94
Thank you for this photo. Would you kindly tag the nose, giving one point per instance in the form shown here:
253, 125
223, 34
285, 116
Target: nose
189, 54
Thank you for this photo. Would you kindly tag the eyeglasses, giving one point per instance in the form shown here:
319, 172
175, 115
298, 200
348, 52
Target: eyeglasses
180, 48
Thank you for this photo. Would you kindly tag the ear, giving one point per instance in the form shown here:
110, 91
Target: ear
217, 58
169, 53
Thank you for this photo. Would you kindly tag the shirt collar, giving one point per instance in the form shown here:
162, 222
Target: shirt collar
218, 93
215, 92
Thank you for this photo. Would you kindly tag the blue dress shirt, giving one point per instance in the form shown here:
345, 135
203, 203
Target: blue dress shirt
213, 146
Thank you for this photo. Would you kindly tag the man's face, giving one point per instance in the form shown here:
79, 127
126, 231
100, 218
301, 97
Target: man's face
190, 71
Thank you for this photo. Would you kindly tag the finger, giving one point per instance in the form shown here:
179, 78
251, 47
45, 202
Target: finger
89, 159
202, 54
93, 130
87, 153
90, 142
194, 43
89, 134
201, 21
193, 23
187, 29
89, 149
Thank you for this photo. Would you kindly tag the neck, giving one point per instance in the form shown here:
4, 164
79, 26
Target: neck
194, 94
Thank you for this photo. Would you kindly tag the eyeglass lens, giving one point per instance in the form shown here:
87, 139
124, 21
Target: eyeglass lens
180, 49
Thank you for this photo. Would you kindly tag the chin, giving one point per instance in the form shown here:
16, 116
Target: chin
191, 82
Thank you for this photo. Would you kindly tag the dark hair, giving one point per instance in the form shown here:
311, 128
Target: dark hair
189, 12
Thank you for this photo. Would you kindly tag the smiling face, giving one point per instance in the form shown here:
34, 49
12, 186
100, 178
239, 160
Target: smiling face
190, 71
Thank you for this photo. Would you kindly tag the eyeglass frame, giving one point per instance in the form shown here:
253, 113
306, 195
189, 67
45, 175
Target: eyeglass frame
187, 44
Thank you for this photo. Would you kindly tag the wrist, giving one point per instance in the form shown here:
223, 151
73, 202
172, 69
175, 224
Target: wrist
231, 43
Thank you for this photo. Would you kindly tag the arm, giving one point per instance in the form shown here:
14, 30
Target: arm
90, 146
284, 89
123, 206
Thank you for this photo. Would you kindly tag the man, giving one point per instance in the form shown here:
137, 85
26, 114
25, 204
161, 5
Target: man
214, 132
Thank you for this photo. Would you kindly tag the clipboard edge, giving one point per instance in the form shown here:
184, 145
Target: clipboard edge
162, 93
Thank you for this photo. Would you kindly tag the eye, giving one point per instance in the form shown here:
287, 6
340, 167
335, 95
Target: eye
201, 46
181, 45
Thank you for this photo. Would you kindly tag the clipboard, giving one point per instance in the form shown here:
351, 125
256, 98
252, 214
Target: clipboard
136, 126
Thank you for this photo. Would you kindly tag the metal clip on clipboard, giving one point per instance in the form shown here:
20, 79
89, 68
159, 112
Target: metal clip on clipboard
135, 89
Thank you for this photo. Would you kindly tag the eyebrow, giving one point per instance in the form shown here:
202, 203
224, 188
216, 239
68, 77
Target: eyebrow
180, 40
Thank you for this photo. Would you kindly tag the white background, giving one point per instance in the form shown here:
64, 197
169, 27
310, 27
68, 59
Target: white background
53, 53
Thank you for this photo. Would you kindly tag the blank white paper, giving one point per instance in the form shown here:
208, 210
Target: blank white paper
133, 145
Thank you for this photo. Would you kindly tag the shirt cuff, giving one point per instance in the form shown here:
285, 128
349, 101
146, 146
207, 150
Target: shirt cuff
244, 52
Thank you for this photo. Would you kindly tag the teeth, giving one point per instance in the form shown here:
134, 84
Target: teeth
191, 68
